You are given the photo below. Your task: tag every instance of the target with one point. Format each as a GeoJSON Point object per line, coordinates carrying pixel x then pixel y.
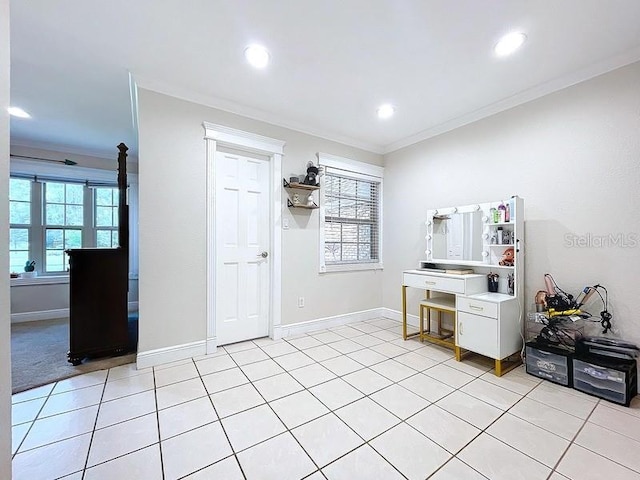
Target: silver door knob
{"type": "Point", "coordinates": [264, 254]}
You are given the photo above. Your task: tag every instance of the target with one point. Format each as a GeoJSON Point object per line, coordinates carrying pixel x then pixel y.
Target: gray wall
{"type": "Point", "coordinates": [172, 168]}
{"type": "Point", "coordinates": [572, 155]}
{"type": "Point", "coordinates": [5, 337]}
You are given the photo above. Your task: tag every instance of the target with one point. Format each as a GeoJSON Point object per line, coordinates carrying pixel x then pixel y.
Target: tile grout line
{"type": "Point", "coordinates": [32, 423]}
{"type": "Point", "coordinates": [224, 430]}
{"type": "Point", "coordinates": [95, 423]}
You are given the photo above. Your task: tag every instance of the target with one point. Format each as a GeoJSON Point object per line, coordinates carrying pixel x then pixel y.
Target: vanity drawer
{"type": "Point", "coordinates": [433, 282]}
{"type": "Point", "coordinates": [477, 307]}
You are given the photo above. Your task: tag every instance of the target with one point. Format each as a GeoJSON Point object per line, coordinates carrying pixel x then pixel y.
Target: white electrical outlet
{"type": "Point", "coordinates": [285, 224]}
{"type": "Point", "coordinates": [300, 302]}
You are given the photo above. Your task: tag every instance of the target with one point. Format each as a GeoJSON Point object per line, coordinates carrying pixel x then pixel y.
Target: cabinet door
{"type": "Point", "coordinates": [478, 334]}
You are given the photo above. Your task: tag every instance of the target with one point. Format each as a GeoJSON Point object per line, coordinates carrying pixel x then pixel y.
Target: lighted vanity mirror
{"type": "Point", "coordinates": [456, 235]}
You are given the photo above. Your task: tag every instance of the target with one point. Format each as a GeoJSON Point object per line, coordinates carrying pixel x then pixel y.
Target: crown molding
{"type": "Point", "coordinates": [573, 78]}
{"type": "Point", "coordinates": [230, 106]}
{"type": "Point", "coordinates": [70, 149]}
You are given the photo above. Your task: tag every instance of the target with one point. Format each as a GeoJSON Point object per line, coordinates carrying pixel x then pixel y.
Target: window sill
{"type": "Point", "coordinates": [351, 267]}
{"type": "Point", "coordinates": [44, 280]}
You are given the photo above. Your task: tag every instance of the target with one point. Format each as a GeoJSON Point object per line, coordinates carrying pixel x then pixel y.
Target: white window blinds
{"type": "Point", "coordinates": [351, 219]}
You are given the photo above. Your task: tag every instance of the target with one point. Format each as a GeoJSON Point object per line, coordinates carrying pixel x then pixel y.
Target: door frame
{"type": "Point", "coordinates": [220, 136]}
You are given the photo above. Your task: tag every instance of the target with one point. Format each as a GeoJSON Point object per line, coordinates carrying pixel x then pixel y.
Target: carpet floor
{"type": "Point", "coordinates": [39, 355]}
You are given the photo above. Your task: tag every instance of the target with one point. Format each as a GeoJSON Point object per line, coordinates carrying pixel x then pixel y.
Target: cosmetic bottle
{"type": "Point", "coordinates": [494, 215]}
{"type": "Point", "coordinates": [499, 235]}
{"type": "Point", "coordinates": [501, 213]}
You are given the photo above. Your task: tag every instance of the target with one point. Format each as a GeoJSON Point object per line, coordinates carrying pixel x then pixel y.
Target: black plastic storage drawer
{"type": "Point", "coordinates": [550, 363]}
{"type": "Point", "coordinates": [613, 379]}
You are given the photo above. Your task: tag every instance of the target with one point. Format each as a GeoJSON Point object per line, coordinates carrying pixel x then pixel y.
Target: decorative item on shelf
{"type": "Point", "coordinates": [294, 179]}
{"type": "Point", "coordinates": [511, 284]}
{"type": "Point", "coordinates": [14, 275]}
{"type": "Point", "coordinates": [508, 258]}
{"type": "Point", "coordinates": [296, 199]}
{"type": "Point", "coordinates": [30, 269]}
{"type": "Point", "coordinates": [310, 202]}
{"type": "Point", "coordinates": [492, 282]}
{"type": "Point", "coordinates": [507, 237]}
{"type": "Point", "coordinates": [312, 175]}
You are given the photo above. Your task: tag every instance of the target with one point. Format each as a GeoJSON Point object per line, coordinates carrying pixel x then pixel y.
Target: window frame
{"type": "Point", "coordinates": [23, 226]}
{"type": "Point", "coordinates": [359, 171]}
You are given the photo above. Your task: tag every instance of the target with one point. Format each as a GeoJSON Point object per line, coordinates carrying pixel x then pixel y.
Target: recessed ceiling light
{"type": "Point", "coordinates": [257, 55]}
{"type": "Point", "coordinates": [386, 111]}
{"type": "Point", "coordinates": [18, 112]}
{"type": "Point", "coordinates": [509, 43]}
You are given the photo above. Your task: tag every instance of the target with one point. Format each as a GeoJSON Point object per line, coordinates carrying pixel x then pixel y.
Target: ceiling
{"type": "Point", "coordinates": [333, 62]}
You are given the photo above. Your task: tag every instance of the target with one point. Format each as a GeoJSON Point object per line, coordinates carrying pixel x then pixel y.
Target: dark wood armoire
{"type": "Point", "coordinates": [99, 286]}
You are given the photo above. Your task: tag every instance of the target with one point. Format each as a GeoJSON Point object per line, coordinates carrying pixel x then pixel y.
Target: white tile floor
{"type": "Point", "coordinates": [354, 402]}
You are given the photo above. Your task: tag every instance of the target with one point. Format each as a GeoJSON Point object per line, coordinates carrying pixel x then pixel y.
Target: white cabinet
{"type": "Point", "coordinates": [478, 334]}
{"type": "Point", "coordinates": [489, 324]}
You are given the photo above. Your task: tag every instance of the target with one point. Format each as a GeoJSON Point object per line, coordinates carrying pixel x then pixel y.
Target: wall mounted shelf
{"type": "Point", "coordinates": [299, 186]}
{"type": "Point", "coordinates": [290, 204]}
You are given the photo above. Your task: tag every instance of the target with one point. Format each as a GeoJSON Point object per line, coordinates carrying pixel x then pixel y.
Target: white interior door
{"type": "Point", "coordinates": [242, 248]}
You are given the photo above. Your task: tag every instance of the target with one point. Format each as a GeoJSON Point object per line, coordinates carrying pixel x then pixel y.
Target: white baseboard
{"type": "Point", "coordinates": [396, 315]}
{"type": "Point", "coordinates": [51, 314]}
{"type": "Point", "coordinates": [294, 329]}
{"type": "Point", "coordinates": [41, 315]}
{"type": "Point", "coordinates": [151, 358]}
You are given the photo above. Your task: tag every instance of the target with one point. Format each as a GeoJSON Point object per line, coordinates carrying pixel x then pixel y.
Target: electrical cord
{"type": "Point", "coordinates": [605, 316]}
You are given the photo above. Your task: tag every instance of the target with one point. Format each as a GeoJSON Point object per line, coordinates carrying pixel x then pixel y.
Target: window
{"type": "Point", "coordinates": [351, 215]}
{"type": "Point", "coordinates": [64, 220]}
{"type": "Point", "coordinates": [106, 216]}
{"type": "Point", "coordinates": [20, 219]}
{"type": "Point", "coordinates": [57, 207]}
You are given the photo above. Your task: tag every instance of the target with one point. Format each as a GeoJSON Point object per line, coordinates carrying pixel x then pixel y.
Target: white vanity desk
{"type": "Point", "coordinates": [483, 321]}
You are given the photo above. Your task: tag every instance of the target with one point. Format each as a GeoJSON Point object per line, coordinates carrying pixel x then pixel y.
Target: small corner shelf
{"type": "Point", "coordinates": [290, 204]}
{"type": "Point", "coordinates": [500, 224]}
{"type": "Point", "coordinates": [299, 186]}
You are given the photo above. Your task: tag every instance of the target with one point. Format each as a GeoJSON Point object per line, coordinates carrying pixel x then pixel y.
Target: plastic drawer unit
{"type": "Point", "coordinates": [550, 363]}
{"type": "Point", "coordinates": [612, 379]}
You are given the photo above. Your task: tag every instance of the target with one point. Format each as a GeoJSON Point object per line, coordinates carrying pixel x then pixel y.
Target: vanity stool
{"type": "Point", "coordinates": [444, 337]}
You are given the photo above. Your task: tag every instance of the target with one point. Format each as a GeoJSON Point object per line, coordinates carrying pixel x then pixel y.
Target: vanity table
{"type": "Point", "coordinates": [487, 323]}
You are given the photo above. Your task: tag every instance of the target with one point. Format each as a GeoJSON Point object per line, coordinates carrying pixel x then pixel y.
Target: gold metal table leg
{"type": "Point", "coordinates": [404, 312]}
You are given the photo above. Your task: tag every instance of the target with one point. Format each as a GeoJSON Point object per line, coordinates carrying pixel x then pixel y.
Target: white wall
{"type": "Point", "coordinates": [172, 182]}
{"type": "Point", "coordinates": [5, 336]}
{"type": "Point", "coordinates": [574, 158]}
